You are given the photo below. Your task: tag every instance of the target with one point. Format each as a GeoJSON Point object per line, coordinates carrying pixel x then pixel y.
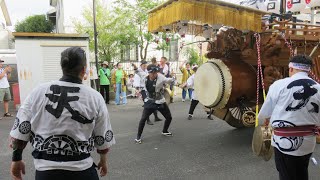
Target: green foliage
{"type": "Point", "coordinates": [136, 12]}
{"type": "Point", "coordinates": [114, 31]}
{"type": "Point", "coordinates": [203, 60]}
{"type": "Point", "coordinates": [36, 23]}
{"type": "Point", "coordinates": [163, 46]}
{"type": "Point", "coordinates": [164, 40]}
{"type": "Point", "coordinates": [119, 26]}
{"type": "Point", "coordinates": [193, 55]}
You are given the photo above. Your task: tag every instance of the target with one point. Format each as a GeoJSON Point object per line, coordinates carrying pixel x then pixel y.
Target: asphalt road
{"type": "Point", "coordinates": [200, 149]}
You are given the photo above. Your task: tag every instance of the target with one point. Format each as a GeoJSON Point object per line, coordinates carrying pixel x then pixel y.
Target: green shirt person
{"type": "Point", "coordinates": [104, 74]}
{"type": "Point", "coordinates": [118, 79]}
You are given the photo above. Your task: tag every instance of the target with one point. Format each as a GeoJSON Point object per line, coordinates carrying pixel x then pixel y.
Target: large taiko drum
{"type": "Point", "coordinates": [221, 83]}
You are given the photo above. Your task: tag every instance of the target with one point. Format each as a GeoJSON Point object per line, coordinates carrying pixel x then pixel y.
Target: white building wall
{"type": "Point", "coordinates": [33, 65]}
{"type": "Point", "coordinates": [5, 39]}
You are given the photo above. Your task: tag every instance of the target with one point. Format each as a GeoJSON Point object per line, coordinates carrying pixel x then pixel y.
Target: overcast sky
{"type": "Point", "coordinates": [20, 9]}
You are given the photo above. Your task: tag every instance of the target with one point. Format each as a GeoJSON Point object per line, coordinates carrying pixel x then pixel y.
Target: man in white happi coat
{"type": "Point", "coordinates": [140, 74]}
{"type": "Point", "coordinates": [292, 109]}
{"type": "Point", "coordinates": [154, 87]}
{"type": "Point", "coordinates": [64, 121]}
{"type": "Point", "coordinates": [194, 101]}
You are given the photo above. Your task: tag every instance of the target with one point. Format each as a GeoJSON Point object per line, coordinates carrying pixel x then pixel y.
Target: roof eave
{"type": "Point", "coordinates": [232, 5]}
{"type": "Point", "coordinates": [5, 13]}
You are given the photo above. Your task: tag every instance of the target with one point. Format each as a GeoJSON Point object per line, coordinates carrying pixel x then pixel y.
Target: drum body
{"type": "Point", "coordinates": [168, 95]}
{"type": "Point", "coordinates": [220, 83]}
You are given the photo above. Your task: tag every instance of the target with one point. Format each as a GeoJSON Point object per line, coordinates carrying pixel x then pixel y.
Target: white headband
{"type": "Point", "coordinates": [300, 66]}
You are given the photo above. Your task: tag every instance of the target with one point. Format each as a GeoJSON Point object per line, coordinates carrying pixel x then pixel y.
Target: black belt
{"type": "Point", "coordinates": [59, 158]}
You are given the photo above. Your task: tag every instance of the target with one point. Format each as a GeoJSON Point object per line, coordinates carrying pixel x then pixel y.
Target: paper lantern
{"type": "Point", "coordinates": [312, 3]}
{"type": "Point", "coordinates": [270, 6]}
{"type": "Point", "coordinates": [296, 6]}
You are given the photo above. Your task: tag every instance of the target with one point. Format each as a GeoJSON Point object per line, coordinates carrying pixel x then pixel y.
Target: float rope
{"type": "Point", "coordinates": [311, 74]}
{"type": "Point", "coordinates": [259, 76]}
{"type": "Point", "coordinates": [288, 44]}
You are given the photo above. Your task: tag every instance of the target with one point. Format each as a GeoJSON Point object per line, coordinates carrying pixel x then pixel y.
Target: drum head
{"type": "Point", "coordinates": [212, 84]}
{"type": "Point", "coordinates": [269, 152]}
{"type": "Point", "coordinates": [261, 142]}
{"type": "Point", "coordinates": [167, 95]}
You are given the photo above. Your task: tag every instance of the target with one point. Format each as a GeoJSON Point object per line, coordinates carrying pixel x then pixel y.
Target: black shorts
{"type": "Point", "coordinates": [87, 174]}
{"type": "Point", "coordinates": [291, 167]}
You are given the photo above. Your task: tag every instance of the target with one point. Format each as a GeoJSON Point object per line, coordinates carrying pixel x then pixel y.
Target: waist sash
{"type": "Point", "coordinates": [59, 158]}
{"type": "Point", "coordinates": [298, 131]}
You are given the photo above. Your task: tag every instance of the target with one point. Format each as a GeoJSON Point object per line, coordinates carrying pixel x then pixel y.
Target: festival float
{"type": "Point", "coordinates": [249, 46]}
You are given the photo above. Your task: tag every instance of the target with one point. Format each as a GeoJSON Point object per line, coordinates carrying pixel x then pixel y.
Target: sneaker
{"type": "Point", "coordinates": [7, 115]}
{"type": "Point", "coordinates": [171, 100]}
{"type": "Point", "coordinates": [183, 100]}
{"type": "Point", "coordinates": [210, 117]}
{"type": "Point", "coordinates": [167, 134]}
{"type": "Point", "coordinates": [138, 141]}
{"type": "Point", "coordinates": [149, 122]}
{"type": "Point", "coordinates": [190, 117]}
{"type": "Point", "coordinates": [157, 119]}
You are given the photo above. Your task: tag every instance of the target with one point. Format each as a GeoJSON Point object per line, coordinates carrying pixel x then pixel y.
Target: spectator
{"type": "Point", "coordinates": [94, 77]}
{"type": "Point", "coordinates": [118, 79]}
{"type": "Point", "coordinates": [154, 61]}
{"type": "Point", "coordinates": [164, 69]}
{"type": "Point", "coordinates": [104, 73]}
{"type": "Point", "coordinates": [114, 68]}
{"type": "Point", "coordinates": [5, 94]}
{"type": "Point", "coordinates": [186, 73]}
{"type": "Point", "coordinates": [130, 86]}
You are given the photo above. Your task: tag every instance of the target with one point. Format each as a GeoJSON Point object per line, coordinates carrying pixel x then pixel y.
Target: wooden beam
{"type": "Point", "coordinates": [23, 34]}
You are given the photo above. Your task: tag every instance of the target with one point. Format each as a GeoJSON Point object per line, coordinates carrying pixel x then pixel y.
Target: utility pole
{"type": "Point", "coordinates": [95, 35]}
{"type": "Point", "coordinates": [283, 7]}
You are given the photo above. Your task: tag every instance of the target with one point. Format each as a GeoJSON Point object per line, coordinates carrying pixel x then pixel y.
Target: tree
{"type": "Point", "coordinates": [192, 55]}
{"type": "Point", "coordinates": [114, 30]}
{"type": "Point", "coordinates": [36, 23]}
{"type": "Point", "coordinates": [136, 11]}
